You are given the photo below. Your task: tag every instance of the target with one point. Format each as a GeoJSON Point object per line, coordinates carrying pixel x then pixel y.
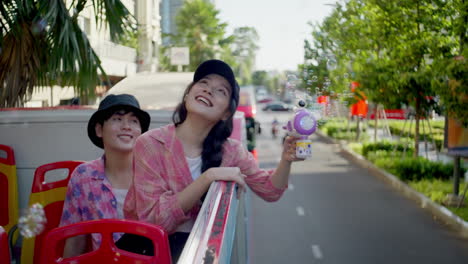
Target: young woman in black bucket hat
{"type": "Point", "coordinates": [97, 188]}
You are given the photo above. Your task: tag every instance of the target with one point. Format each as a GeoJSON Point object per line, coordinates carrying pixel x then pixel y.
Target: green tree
{"type": "Point", "coordinates": [402, 52]}
{"type": "Point", "coordinates": [200, 29]}
{"type": "Point", "coordinates": [260, 78]}
{"type": "Point", "coordinates": [42, 45]}
{"type": "Point", "coordinates": [389, 46]}
{"type": "Point", "coordinates": [244, 47]}
{"type": "Point", "coordinates": [314, 72]}
{"type": "Point", "coordinates": [450, 60]}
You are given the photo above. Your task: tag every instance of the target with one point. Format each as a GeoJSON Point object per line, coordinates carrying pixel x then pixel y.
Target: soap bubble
{"type": "Point", "coordinates": [292, 78]}
{"type": "Point", "coordinates": [38, 26]}
{"type": "Point", "coordinates": [32, 223]}
{"type": "Point", "coordinates": [301, 103]}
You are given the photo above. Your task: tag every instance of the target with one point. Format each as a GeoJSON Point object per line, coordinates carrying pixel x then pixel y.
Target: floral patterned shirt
{"type": "Point", "coordinates": [161, 171]}
{"type": "Point", "coordinates": [89, 196]}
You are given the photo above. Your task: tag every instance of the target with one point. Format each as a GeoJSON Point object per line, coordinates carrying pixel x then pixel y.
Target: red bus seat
{"type": "Point", "coordinates": [8, 189]}
{"type": "Point", "coordinates": [51, 195]}
{"type": "Point", "coordinates": [4, 247]}
{"type": "Point", "coordinates": [107, 252]}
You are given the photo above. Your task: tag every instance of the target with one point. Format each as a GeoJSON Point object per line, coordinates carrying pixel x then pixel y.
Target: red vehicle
{"type": "Point", "coordinates": [249, 107]}
{"type": "Point", "coordinates": [247, 103]}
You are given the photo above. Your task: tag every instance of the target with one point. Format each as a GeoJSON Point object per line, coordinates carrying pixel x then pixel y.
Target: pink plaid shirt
{"type": "Point", "coordinates": [161, 171]}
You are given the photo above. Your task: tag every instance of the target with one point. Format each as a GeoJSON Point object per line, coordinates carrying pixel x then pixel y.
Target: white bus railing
{"type": "Point", "coordinates": [219, 233]}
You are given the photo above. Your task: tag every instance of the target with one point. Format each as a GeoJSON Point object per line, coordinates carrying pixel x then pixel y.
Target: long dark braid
{"type": "Point", "coordinates": [212, 153]}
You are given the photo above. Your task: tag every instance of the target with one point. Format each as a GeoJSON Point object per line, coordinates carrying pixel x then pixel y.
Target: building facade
{"type": "Point", "coordinates": [118, 61]}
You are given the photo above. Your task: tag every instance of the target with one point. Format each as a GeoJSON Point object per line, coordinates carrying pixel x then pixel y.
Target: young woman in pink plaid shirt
{"type": "Point", "coordinates": [174, 165]}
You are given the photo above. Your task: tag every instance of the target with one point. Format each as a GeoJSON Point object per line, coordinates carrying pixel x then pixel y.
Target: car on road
{"type": "Point", "coordinates": [263, 99]}
{"type": "Point", "coordinates": [277, 106]}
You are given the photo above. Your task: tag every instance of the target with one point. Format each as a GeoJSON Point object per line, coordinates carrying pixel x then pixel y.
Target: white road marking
{"type": "Point", "coordinates": [317, 252]}
{"type": "Point", "coordinates": [300, 211]}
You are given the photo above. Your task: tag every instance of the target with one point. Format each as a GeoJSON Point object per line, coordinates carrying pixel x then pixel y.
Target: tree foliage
{"type": "Point", "coordinates": [200, 29]}
{"type": "Point", "coordinates": [401, 52]}
{"type": "Point", "coordinates": [244, 47]}
{"type": "Point", "coordinates": [42, 45]}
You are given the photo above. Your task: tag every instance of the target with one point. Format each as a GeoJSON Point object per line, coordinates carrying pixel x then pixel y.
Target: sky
{"type": "Point", "coordinates": [282, 26]}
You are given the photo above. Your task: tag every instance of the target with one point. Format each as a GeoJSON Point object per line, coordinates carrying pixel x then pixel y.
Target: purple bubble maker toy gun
{"type": "Point", "coordinates": [302, 125]}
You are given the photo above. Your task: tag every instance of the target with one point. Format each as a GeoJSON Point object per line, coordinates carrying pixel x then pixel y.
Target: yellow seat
{"type": "Point", "coordinates": [8, 189]}
{"type": "Point", "coordinates": [51, 195]}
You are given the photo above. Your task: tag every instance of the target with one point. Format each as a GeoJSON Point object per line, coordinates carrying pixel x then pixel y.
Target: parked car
{"type": "Point", "coordinates": [277, 106]}
{"type": "Point", "coordinates": [264, 99]}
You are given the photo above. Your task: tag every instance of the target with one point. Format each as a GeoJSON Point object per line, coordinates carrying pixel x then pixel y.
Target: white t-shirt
{"type": "Point", "coordinates": [195, 165]}
{"type": "Point", "coordinates": [120, 195]}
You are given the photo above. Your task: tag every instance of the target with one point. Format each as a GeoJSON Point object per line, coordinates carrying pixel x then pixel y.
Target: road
{"type": "Point", "coordinates": [337, 212]}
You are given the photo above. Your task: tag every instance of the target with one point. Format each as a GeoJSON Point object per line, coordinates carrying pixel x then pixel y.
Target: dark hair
{"type": "Point", "coordinates": [213, 144]}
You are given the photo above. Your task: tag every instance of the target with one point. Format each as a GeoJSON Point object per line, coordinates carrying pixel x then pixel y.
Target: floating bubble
{"type": "Point", "coordinates": [346, 76]}
{"type": "Point", "coordinates": [39, 26]}
{"type": "Point", "coordinates": [309, 82]}
{"type": "Point", "coordinates": [292, 78]}
{"type": "Point", "coordinates": [301, 103]}
{"type": "Point", "coordinates": [32, 223]}
{"type": "Point", "coordinates": [290, 87]}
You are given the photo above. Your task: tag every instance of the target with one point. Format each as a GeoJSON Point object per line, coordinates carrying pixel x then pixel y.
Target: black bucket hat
{"type": "Point", "coordinates": [113, 102]}
{"type": "Point", "coordinates": [221, 68]}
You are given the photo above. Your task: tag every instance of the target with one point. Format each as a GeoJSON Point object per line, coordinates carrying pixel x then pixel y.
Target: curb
{"type": "Point", "coordinates": [437, 210]}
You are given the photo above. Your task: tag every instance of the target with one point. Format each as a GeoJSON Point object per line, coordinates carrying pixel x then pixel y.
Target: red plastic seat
{"type": "Point", "coordinates": [4, 248]}
{"type": "Point", "coordinates": [107, 252]}
{"type": "Point", "coordinates": [51, 195]}
{"type": "Point", "coordinates": [8, 189]}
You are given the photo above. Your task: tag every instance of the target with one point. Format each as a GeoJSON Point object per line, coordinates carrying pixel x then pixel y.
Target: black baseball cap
{"type": "Point", "coordinates": [221, 68]}
{"type": "Point", "coordinates": [111, 103]}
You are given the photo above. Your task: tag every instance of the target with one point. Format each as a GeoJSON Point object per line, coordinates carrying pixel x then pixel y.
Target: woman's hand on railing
{"type": "Point", "coordinates": [227, 174]}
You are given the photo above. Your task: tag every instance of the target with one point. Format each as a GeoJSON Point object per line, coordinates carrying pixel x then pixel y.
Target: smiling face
{"type": "Point", "coordinates": [120, 131]}
{"type": "Point", "coordinates": [209, 97]}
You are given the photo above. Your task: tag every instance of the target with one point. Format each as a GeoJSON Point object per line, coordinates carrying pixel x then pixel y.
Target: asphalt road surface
{"type": "Point", "coordinates": [337, 212]}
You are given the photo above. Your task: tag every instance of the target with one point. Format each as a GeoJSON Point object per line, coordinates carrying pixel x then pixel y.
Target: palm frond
{"type": "Point", "coordinates": [117, 16]}
{"type": "Point", "coordinates": [20, 61]}
{"type": "Point", "coordinates": [42, 45]}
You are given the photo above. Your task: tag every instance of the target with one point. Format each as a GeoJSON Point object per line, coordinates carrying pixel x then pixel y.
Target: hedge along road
{"type": "Point", "coordinates": [336, 212]}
